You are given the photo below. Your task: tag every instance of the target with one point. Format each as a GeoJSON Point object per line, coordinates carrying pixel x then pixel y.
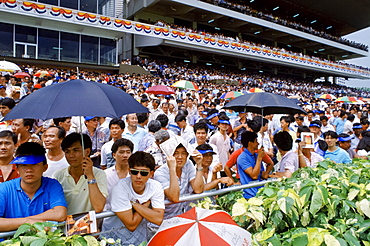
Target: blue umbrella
{"type": "Point", "coordinates": [76, 98]}
{"type": "Point", "coordinates": [264, 103]}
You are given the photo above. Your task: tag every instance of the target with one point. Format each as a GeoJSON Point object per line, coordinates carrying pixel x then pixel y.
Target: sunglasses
{"type": "Point", "coordinates": [142, 172]}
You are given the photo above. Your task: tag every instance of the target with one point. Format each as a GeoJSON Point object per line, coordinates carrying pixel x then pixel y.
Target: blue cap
{"type": "Point", "coordinates": [89, 117]}
{"type": "Point", "coordinates": [206, 151]}
{"type": "Point", "coordinates": [341, 139]}
{"type": "Point", "coordinates": [224, 122]}
{"type": "Point", "coordinates": [357, 127]}
{"type": "Point", "coordinates": [212, 116]}
{"type": "Point", "coordinates": [28, 159]}
{"type": "Point", "coordinates": [314, 124]}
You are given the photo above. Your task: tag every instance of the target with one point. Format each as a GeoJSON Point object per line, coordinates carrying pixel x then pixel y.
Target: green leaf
{"type": "Point", "coordinates": [27, 240]}
{"type": "Point", "coordinates": [330, 240]}
{"type": "Point", "coordinates": [352, 194]}
{"type": "Point", "coordinates": [39, 226]}
{"type": "Point", "coordinates": [39, 242]}
{"type": "Point", "coordinates": [316, 202]}
{"type": "Point", "coordinates": [22, 229]}
{"type": "Point", "coordinates": [268, 191]}
{"type": "Point", "coordinates": [354, 178]}
{"type": "Point", "coordinates": [351, 240]}
{"type": "Point", "coordinates": [285, 204]}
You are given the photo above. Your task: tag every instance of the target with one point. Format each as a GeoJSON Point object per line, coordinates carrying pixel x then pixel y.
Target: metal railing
{"type": "Point", "coordinates": [184, 198]}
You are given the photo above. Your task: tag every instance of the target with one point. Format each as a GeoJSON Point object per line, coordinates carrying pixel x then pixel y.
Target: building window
{"type": "Point", "coordinates": [88, 6]}
{"type": "Point", "coordinates": [69, 47]}
{"type": "Point", "coordinates": [51, 2]}
{"type": "Point", "coordinates": [25, 34]}
{"type": "Point", "coordinates": [48, 45]}
{"type": "Point", "coordinates": [89, 49]}
{"type": "Point", "coordinates": [72, 4]}
{"type": "Point", "coordinates": [6, 40]}
{"type": "Point", "coordinates": [107, 52]}
{"type": "Point", "coordinates": [106, 7]}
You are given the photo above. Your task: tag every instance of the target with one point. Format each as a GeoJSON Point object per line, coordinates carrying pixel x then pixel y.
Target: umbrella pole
{"type": "Point", "coordinates": [82, 139]}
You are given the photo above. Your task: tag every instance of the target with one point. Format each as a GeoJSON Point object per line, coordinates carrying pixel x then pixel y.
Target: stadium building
{"type": "Point", "coordinates": [297, 38]}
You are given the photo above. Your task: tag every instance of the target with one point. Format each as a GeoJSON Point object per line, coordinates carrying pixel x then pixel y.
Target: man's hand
{"type": "Point", "coordinates": [171, 162]}
{"type": "Point", "coordinates": [197, 157]}
{"type": "Point", "coordinates": [87, 166]}
{"type": "Point", "coordinates": [265, 175]}
{"type": "Point", "coordinates": [217, 168]}
{"type": "Point", "coordinates": [226, 180]}
{"type": "Point", "coordinates": [261, 153]}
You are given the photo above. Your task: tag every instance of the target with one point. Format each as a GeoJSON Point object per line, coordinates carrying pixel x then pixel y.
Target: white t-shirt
{"type": "Point", "coordinates": [112, 180]}
{"type": "Point", "coordinates": [122, 195]}
{"type": "Point", "coordinates": [54, 166]}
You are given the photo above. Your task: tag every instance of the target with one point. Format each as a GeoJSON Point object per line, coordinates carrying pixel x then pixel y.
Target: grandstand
{"type": "Point", "coordinates": [296, 38]}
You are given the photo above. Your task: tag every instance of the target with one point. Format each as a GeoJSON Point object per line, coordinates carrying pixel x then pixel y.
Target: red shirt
{"type": "Point", "coordinates": [13, 174]}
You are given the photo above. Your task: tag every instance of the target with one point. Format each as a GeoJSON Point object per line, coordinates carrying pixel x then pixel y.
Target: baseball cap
{"type": "Point", "coordinates": [28, 159]}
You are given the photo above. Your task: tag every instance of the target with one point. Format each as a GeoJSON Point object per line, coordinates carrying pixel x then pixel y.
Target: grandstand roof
{"type": "Point", "coordinates": [340, 17]}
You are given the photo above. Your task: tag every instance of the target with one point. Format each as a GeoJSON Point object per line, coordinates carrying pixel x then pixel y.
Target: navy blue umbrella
{"type": "Point", "coordinates": [264, 103]}
{"type": "Point", "coordinates": [76, 98]}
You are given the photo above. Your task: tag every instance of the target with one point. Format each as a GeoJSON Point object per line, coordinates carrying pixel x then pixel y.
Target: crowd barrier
{"type": "Point", "coordinates": [185, 198]}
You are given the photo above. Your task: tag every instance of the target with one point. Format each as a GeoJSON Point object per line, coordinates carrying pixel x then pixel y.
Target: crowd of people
{"type": "Point", "coordinates": [187, 144]}
{"type": "Point", "coordinates": [252, 45]}
{"type": "Point", "coordinates": [245, 9]}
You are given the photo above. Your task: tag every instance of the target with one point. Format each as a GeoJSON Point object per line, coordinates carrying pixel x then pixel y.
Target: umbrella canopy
{"type": "Point", "coordinates": [231, 95]}
{"type": "Point", "coordinates": [160, 89]}
{"type": "Point", "coordinates": [185, 84]}
{"type": "Point", "coordinates": [6, 66]}
{"type": "Point", "coordinates": [42, 73]}
{"type": "Point", "coordinates": [346, 99]}
{"type": "Point", "coordinates": [254, 90]}
{"type": "Point", "coordinates": [76, 98]}
{"type": "Point", "coordinates": [327, 96]}
{"type": "Point", "coordinates": [21, 75]}
{"type": "Point", "coordinates": [264, 103]}
{"type": "Point", "coordinates": [201, 227]}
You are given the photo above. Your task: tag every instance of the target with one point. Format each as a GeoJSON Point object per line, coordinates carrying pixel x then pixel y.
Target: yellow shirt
{"type": "Point", "coordinates": [77, 195]}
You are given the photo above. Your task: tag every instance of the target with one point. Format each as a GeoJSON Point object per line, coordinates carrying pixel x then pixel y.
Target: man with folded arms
{"type": "Point", "coordinates": [31, 198]}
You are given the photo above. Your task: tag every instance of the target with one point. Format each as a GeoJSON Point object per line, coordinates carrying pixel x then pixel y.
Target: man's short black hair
{"type": "Point", "coordinates": [301, 118]}
{"type": "Point", "coordinates": [163, 119]}
{"type": "Point", "coordinates": [303, 129]}
{"type": "Point", "coordinates": [30, 148]}
{"type": "Point", "coordinates": [180, 117]}
{"type": "Point", "coordinates": [287, 119]}
{"type": "Point", "coordinates": [118, 122]}
{"type": "Point", "coordinates": [9, 134]}
{"type": "Point", "coordinates": [60, 120]}
{"type": "Point", "coordinates": [351, 117]}
{"type": "Point", "coordinates": [200, 125]}
{"type": "Point", "coordinates": [247, 137]}
{"type": "Point", "coordinates": [76, 137]}
{"type": "Point", "coordinates": [122, 142]}
{"type": "Point", "coordinates": [204, 146]}
{"type": "Point", "coordinates": [254, 125]}
{"type": "Point", "coordinates": [9, 102]}
{"type": "Point", "coordinates": [154, 126]}
{"type": "Point", "coordinates": [141, 159]}
{"type": "Point", "coordinates": [330, 133]}
{"type": "Point", "coordinates": [141, 117]}
{"type": "Point", "coordinates": [364, 121]}
{"type": "Point", "coordinates": [323, 118]}
{"type": "Point", "coordinates": [29, 123]}
{"type": "Point", "coordinates": [61, 131]}
{"type": "Point", "coordinates": [283, 140]}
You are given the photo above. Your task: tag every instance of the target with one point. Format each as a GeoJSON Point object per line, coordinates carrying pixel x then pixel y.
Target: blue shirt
{"type": "Point", "coordinates": [339, 124]}
{"type": "Point", "coordinates": [246, 160]}
{"type": "Point", "coordinates": [339, 156]}
{"type": "Point", "coordinates": [15, 203]}
{"type": "Point", "coordinates": [136, 137]}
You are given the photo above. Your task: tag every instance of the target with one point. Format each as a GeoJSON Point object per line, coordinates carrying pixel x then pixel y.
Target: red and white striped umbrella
{"type": "Point", "coordinates": [201, 227]}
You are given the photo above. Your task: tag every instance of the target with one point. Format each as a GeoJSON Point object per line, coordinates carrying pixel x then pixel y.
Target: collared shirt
{"type": "Point", "coordinates": [13, 174]}
{"type": "Point", "coordinates": [77, 195]}
{"type": "Point", "coordinates": [98, 139]}
{"type": "Point", "coordinates": [136, 137]}
{"type": "Point", "coordinates": [146, 141]}
{"type": "Point", "coordinates": [339, 156]}
{"type": "Point", "coordinates": [106, 155]}
{"type": "Point", "coordinates": [289, 162]}
{"type": "Point", "coordinates": [246, 160]}
{"type": "Point", "coordinates": [156, 152]}
{"type": "Point", "coordinates": [223, 146]}
{"type": "Point", "coordinates": [15, 203]}
{"type": "Point", "coordinates": [162, 175]}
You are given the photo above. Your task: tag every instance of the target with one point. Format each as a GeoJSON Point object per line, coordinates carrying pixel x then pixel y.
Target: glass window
{"type": "Point", "coordinates": [52, 2]}
{"type": "Point", "coordinates": [48, 45]}
{"type": "Point", "coordinates": [89, 49]}
{"type": "Point", "coordinates": [88, 6]}
{"type": "Point", "coordinates": [106, 7]}
{"type": "Point", "coordinates": [107, 52]}
{"type": "Point", "coordinates": [25, 34]}
{"type": "Point", "coordinates": [6, 40]}
{"type": "Point", "coordinates": [69, 47]}
{"type": "Point", "coordinates": [72, 4]}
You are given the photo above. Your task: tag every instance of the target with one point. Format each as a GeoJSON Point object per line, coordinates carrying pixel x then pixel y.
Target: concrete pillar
{"type": "Point", "coordinates": [275, 71]}
{"type": "Point", "coordinates": [304, 75]}
{"type": "Point", "coordinates": [194, 59]}
{"type": "Point", "coordinates": [195, 25]}
{"type": "Point", "coordinates": [240, 64]}
{"type": "Point", "coordinates": [303, 51]}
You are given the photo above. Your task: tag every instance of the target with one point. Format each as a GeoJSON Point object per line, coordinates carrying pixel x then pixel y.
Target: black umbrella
{"type": "Point", "coordinates": [76, 98]}
{"type": "Point", "coordinates": [264, 103]}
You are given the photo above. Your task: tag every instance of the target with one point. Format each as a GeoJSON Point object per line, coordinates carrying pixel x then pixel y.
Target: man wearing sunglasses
{"type": "Point", "coordinates": [136, 200]}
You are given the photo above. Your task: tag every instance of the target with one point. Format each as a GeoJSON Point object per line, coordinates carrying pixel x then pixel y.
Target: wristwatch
{"type": "Point", "coordinates": [134, 202]}
{"type": "Point", "coordinates": [92, 181]}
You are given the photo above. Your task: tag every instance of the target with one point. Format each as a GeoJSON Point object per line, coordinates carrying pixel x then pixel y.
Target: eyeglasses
{"type": "Point", "coordinates": [142, 172]}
